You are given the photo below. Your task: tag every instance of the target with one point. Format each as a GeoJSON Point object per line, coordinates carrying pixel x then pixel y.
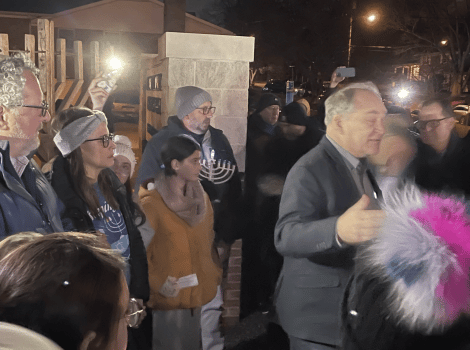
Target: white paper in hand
{"type": "Point", "coordinates": [188, 281]}
{"type": "Point", "coordinates": [170, 287]}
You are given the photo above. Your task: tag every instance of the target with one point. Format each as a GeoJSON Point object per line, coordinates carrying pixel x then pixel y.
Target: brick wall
{"type": "Point", "coordinates": [231, 286]}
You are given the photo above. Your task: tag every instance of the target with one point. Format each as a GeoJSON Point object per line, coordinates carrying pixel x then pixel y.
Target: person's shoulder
{"type": "Point", "coordinates": [172, 129]}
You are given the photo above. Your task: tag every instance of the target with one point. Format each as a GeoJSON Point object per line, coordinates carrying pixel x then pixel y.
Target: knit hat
{"type": "Point", "coordinates": [267, 100]}
{"type": "Point", "coordinates": [188, 98]}
{"type": "Point", "coordinates": [124, 148]}
{"type": "Point", "coordinates": [294, 113]}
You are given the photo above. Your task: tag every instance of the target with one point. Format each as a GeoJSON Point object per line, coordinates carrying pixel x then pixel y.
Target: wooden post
{"type": "Point", "coordinates": [50, 67]}
{"type": "Point", "coordinates": [43, 43]}
{"type": "Point", "coordinates": [94, 70]}
{"type": "Point", "coordinates": [46, 63]}
{"type": "Point", "coordinates": [95, 58]}
{"type": "Point", "coordinates": [72, 95]}
{"type": "Point", "coordinates": [142, 129]}
{"type": "Point", "coordinates": [61, 71]}
{"type": "Point", "coordinates": [4, 46]}
{"type": "Point", "coordinates": [30, 46]}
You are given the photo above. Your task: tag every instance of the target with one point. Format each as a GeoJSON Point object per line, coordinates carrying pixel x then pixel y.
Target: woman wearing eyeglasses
{"type": "Point", "coordinates": [94, 198]}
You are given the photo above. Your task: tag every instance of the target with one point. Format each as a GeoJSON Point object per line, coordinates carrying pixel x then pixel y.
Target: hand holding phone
{"type": "Point", "coordinates": [346, 72]}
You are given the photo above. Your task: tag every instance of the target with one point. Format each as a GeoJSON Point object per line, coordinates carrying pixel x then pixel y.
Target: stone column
{"type": "Point", "coordinates": [216, 63]}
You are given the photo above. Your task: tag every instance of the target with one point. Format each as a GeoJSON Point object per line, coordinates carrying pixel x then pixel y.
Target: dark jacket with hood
{"type": "Point", "coordinates": [76, 217]}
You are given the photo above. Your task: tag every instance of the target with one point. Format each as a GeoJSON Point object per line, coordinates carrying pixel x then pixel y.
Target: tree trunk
{"type": "Point", "coordinates": [456, 84]}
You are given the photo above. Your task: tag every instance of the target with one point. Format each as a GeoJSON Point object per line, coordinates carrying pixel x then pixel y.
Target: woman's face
{"type": "Point", "coordinates": [188, 169]}
{"type": "Point", "coordinates": [122, 168]}
{"type": "Point", "coordinates": [95, 155]}
{"type": "Point", "coordinates": [119, 342]}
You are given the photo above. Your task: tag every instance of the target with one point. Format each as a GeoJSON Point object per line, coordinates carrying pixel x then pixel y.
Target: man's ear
{"type": "Point", "coordinates": [87, 340]}
{"type": "Point", "coordinates": [3, 123]}
{"type": "Point", "coordinates": [338, 123]}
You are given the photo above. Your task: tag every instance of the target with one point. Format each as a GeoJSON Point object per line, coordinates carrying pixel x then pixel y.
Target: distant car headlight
{"type": "Point", "coordinates": [265, 89]}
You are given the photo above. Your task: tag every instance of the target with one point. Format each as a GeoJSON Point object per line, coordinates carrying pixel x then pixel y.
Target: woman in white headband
{"type": "Point", "coordinates": [94, 198]}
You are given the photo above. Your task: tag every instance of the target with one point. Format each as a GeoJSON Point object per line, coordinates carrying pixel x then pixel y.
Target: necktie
{"type": "Point", "coordinates": [369, 185]}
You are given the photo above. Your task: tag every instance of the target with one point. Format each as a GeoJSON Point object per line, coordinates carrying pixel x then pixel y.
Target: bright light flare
{"type": "Point", "coordinates": [115, 63]}
{"type": "Point", "coordinates": [403, 93]}
{"type": "Point", "coordinates": [372, 18]}
{"type": "Point", "coordinates": [444, 42]}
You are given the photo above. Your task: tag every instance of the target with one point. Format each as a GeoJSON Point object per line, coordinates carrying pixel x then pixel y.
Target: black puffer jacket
{"type": "Point", "coordinates": [75, 217]}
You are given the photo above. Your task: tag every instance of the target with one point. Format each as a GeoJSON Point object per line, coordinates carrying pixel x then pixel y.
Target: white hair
{"type": "Point", "coordinates": [12, 81]}
{"type": "Point", "coordinates": [342, 102]}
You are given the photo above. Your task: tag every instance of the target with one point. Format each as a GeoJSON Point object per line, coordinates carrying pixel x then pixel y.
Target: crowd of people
{"type": "Point", "coordinates": [355, 231]}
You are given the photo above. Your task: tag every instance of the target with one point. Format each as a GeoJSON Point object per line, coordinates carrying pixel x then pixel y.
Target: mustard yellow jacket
{"type": "Point", "coordinates": [178, 250]}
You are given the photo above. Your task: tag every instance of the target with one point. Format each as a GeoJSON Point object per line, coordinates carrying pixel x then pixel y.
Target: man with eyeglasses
{"type": "Point", "coordinates": [443, 159]}
{"type": "Point", "coordinates": [27, 201]}
{"type": "Point", "coordinates": [194, 112]}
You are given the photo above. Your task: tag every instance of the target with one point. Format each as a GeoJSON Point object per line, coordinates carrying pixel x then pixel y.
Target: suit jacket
{"type": "Point", "coordinates": [318, 189]}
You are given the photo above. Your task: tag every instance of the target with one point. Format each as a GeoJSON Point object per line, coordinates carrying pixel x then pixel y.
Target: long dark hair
{"type": "Point", "coordinates": [177, 147]}
{"type": "Point", "coordinates": [77, 172]}
{"type": "Point", "coordinates": [63, 286]}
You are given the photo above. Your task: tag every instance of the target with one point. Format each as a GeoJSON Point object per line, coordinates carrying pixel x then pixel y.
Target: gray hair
{"type": "Point", "coordinates": [342, 101]}
{"type": "Point", "coordinates": [12, 81]}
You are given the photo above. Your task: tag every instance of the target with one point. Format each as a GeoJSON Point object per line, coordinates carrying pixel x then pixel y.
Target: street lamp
{"type": "Point", "coordinates": [371, 18]}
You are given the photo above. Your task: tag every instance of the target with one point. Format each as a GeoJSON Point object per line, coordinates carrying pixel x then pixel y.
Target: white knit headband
{"type": "Point", "coordinates": [73, 135]}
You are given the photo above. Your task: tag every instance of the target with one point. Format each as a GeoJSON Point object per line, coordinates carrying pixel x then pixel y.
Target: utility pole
{"type": "Point", "coordinates": [353, 7]}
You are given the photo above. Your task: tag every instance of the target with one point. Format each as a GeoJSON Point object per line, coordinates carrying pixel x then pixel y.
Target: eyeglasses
{"type": "Point", "coordinates": [135, 314]}
{"type": "Point", "coordinates": [104, 139]}
{"type": "Point", "coordinates": [432, 123]}
{"type": "Point", "coordinates": [207, 110]}
{"type": "Point", "coordinates": [44, 107]}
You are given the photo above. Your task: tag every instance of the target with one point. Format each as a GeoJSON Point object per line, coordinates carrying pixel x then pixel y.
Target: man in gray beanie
{"type": "Point", "coordinates": [194, 111]}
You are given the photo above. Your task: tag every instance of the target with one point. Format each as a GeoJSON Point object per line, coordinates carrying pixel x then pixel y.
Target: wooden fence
{"type": "Point", "coordinates": [51, 59]}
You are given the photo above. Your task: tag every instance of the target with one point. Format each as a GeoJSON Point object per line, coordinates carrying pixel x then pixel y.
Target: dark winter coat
{"type": "Point", "coordinates": [449, 172]}
{"type": "Point", "coordinates": [76, 216]}
{"type": "Point", "coordinates": [256, 141]}
{"type": "Point", "coordinates": [26, 204]}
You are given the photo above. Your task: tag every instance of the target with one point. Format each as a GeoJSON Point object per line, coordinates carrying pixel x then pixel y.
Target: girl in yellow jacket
{"type": "Point", "coordinates": [184, 270]}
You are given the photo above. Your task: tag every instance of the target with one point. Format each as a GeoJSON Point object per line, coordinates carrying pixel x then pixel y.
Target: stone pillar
{"type": "Point", "coordinates": [216, 63]}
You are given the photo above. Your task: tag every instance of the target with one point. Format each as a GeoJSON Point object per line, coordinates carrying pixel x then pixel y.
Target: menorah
{"type": "Point", "coordinates": [216, 171]}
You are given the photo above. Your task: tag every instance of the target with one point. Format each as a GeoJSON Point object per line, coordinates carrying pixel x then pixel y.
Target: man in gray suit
{"type": "Point", "coordinates": [328, 206]}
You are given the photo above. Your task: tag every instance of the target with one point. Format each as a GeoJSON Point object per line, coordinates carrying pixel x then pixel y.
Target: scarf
{"type": "Point", "coordinates": [189, 206]}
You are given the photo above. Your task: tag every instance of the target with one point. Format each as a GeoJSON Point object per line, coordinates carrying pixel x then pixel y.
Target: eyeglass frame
{"type": "Point", "coordinates": [426, 122]}
{"type": "Point", "coordinates": [105, 139]}
{"type": "Point", "coordinates": [134, 322]}
{"type": "Point", "coordinates": [44, 106]}
{"type": "Point", "coordinates": [208, 109]}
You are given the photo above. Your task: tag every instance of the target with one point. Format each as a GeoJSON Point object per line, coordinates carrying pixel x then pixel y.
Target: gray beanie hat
{"type": "Point", "coordinates": [188, 98]}
{"type": "Point", "coordinates": [74, 134]}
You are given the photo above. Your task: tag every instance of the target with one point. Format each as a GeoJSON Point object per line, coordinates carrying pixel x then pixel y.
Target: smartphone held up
{"type": "Point", "coordinates": [345, 72]}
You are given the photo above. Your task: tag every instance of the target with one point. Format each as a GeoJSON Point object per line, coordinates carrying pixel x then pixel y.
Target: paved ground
{"type": "Point", "coordinates": [256, 332]}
